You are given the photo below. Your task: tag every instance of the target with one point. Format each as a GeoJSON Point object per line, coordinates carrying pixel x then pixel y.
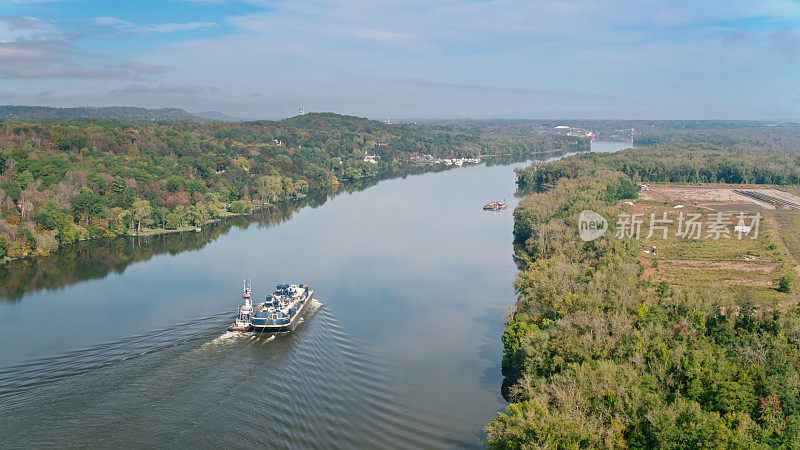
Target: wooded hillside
{"type": "Point", "coordinates": [85, 178]}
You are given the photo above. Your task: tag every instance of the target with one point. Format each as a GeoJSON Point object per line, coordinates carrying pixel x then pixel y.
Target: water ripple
{"type": "Point", "coordinates": [190, 385]}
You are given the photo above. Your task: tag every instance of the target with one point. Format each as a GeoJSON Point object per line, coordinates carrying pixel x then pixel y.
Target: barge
{"type": "Point", "coordinates": [278, 313]}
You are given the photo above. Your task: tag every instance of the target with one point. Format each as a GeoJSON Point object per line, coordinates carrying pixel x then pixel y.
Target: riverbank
{"type": "Point", "coordinates": [641, 336]}
{"type": "Point", "coordinates": [54, 228]}
{"type": "Point", "coordinates": [62, 182]}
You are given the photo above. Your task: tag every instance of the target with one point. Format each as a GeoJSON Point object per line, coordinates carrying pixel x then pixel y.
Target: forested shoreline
{"type": "Point", "coordinates": [597, 356]}
{"type": "Point", "coordinates": [678, 162]}
{"type": "Point", "coordinates": [65, 181]}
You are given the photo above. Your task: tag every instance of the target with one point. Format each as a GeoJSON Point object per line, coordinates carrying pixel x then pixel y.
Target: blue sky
{"type": "Point", "coordinates": [409, 59]}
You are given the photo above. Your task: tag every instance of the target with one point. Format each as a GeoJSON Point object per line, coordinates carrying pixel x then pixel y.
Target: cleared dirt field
{"type": "Point", "coordinates": [750, 267]}
{"type": "Point", "coordinates": [703, 195]}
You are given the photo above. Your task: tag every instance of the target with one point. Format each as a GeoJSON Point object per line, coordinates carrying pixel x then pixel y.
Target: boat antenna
{"type": "Point", "coordinates": [246, 295]}
{"type": "Point", "coordinates": [246, 287]}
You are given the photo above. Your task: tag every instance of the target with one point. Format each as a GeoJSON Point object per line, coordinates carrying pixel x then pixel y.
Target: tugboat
{"type": "Point", "coordinates": [495, 206]}
{"type": "Point", "coordinates": [242, 323]}
{"type": "Point", "coordinates": [281, 311]}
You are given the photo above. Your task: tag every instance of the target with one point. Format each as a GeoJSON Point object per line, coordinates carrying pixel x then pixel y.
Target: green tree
{"type": "Point", "coordinates": [514, 338]}
{"type": "Point", "coordinates": [238, 207]}
{"type": "Point", "coordinates": [11, 188]}
{"type": "Point", "coordinates": [269, 188]}
{"type": "Point", "coordinates": [172, 221]}
{"type": "Point", "coordinates": [86, 204]}
{"type": "Point", "coordinates": [25, 178]}
{"type": "Point", "coordinates": [51, 216]}
{"type": "Point", "coordinates": [141, 211]}
{"type": "Point", "coordinates": [197, 215]}
{"type": "Point", "coordinates": [159, 215]}
{"type": "Point", "coordinates": [67, 234]}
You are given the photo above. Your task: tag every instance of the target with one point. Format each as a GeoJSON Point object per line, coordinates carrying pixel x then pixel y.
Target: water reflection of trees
{"type": "Point", "coordinates": [95, 259]}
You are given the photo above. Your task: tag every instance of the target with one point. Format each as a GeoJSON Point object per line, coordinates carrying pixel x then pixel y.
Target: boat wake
{"type": "Point", "coordinates": [190, 385]}
{"type": "Point", "coordinates": [16, 379]}
{"type": "Point", "coordinates": [314, 306]}
{"type": "Point", "coordinates": [226, 338]}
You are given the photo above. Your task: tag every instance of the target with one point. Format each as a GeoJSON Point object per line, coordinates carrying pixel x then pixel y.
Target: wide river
{"type": "Point", "coordinates": [126, 345]}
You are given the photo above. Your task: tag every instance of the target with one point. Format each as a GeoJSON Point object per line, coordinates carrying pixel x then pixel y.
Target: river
{"type": "Point", "coordinates": [402, 347]}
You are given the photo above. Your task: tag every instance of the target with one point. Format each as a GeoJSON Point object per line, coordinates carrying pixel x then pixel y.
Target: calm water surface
{"type": "Point", "coordinates": [413, 281]}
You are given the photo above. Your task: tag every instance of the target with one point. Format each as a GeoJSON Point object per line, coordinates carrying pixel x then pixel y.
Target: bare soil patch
{"type": "Point", "coordinates": [703, 195]}
{"type": "Point", "coordinates": [741, 266]}
{"type": "Point", "coordinates": [736, 207]}
{"type": "Point", "coordinates": [649, 270]}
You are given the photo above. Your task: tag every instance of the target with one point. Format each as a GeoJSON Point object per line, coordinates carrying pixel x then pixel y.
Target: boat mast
{"type": "Point", "coordinates": [246, 296]}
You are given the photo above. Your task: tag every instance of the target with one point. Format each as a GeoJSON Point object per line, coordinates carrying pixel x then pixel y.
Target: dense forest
{"type": "Point", "coordinates": [86, 178]}
{"type": "Point", "coordinates": [596, 356]}
{"type": "Point", "coordinates": [698, 160]}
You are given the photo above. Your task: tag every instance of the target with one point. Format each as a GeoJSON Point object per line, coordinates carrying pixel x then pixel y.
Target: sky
{"type": "Point", "coordinates": [415, 59]}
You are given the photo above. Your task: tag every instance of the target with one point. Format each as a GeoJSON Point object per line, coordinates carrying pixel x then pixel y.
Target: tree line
{"type": "Point", "coordinates": [677, 162]}
{"type": "Point", "coordinates": [598, 358]}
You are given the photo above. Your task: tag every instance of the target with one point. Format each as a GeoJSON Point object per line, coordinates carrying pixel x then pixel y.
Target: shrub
{"type": "Point", "coordinates": [27, 236]}
{"type": "Point", "coordinates": [785, 283]}
{"type": "Point", "coordinates": [67, 234]}
{"type": "Point", "coordinates": [12, 219]}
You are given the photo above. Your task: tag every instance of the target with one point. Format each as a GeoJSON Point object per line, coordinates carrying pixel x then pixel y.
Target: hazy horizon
{"type": "Point", "coordinates": [439, 119]}
{"type": "Point", "coordinates": [408, 60]}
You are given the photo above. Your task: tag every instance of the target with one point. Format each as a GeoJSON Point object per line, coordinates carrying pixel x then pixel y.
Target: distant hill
{"type": "Point", "coordinates": [10, 112]}
{"type": "Point", "coordinates": [328, 121]}
{"type": "Point", "coordinates": [216, 116]}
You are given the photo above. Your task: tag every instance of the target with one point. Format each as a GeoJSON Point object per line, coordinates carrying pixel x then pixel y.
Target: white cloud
{"type": "Point", "coordinates": [107, 21]}
{"type": "Point", "coordinates": [14, 28]}
{"type": "Point", "coordinates": [421, 58]}
{"type": "Point", "coordinates": [385, 36]}
{"type": "Point", "coordinates": [171, 27]}
{"type": "Point", "coordinates": [164, 89]}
